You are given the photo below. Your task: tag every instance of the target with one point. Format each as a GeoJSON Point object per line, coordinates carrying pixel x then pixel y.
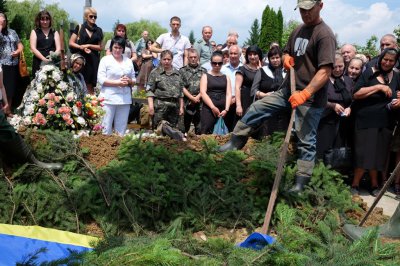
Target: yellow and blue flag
{"type": "Point", "coordinates": [17, 242]}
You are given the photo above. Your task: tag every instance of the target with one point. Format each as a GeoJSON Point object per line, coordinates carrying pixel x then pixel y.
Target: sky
{"type": "Point", "coordinates": [352, 21]}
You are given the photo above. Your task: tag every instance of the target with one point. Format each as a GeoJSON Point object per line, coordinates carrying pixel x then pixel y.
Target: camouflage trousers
{"type": "Point", "coordinates": [167, 110]}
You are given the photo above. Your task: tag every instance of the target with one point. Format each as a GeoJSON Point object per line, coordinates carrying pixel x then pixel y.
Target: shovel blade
{"type": "Point", "coordinates": [257, 241]}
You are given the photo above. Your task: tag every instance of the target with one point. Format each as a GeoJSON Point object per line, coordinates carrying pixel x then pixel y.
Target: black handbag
{"type": "Point", "coordinates": [339, 158]}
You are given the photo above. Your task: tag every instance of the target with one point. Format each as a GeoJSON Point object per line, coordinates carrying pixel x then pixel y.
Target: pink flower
{"type": "Point", "coordinates": [66, 117]}
{"type": "Point", "coordinates": [94, 102]}
{"type": "Point", "coordinates": [42, 122]}
{"type": "Point", "coordinates": [57, 99]}
{"type": "Point", "coordinates": [69, 121]}
{"type": "Point", "coordinates": [64, 110]}
{"type": "Point", "coordinates": [42, 102]}
{"type": "Point", "coordinates": [51, 104]}
{"type": "Point", "coordinates": [97, 127]}
{"type": "Point", "coordinates": [51, 111]}
{"type": "Point", "coordinates": [39, 119]}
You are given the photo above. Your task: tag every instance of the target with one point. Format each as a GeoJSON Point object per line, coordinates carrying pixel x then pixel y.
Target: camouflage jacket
{"type": "Point", "coordinates": [163, 85]}
{"type": "Point", "coordinates": [191, 78]}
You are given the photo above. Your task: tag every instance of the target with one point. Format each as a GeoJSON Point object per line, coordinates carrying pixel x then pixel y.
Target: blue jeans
{"type": "Point", "coordinates": [306, 122]}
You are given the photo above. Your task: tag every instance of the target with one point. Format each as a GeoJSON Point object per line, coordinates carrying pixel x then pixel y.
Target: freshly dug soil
{"type": "Point", "coordinates": [103, 149]}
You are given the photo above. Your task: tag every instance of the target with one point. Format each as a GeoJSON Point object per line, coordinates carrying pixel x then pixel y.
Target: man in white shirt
{"type": "Point", "coordinates": [175, 42]}
{"type": "Point", "coordinates": [229, 70]}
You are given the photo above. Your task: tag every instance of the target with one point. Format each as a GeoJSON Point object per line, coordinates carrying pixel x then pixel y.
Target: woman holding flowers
{"type": "Point", "coordinates": [116, 77]}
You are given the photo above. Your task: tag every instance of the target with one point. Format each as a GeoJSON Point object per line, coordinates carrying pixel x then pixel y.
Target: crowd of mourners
{"type": "Point", "coordinates": [190, 86]}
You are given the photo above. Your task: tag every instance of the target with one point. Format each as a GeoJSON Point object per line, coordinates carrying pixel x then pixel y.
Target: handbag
{"type": "Point", "coordinates": [75, 50]}
{"type": "Point", "coordinates": [23, 69]}
{"type": "Point", "coordinates": [339, 158]}
{"type": "Point", "coordinates": [220, 128]}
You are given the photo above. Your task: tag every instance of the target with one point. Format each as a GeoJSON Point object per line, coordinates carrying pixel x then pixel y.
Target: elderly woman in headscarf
{"type": "Point", "coordinates": [375, 97]}
{"type": "Point", "coordinates": [333, 128]}
{"type": "Point", "coordinates": [77, 62]}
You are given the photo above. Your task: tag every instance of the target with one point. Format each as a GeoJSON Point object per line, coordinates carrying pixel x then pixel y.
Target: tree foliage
{"type": "Point", "coordinates": [192, 39]}
{"type": "Point", "coordinates": [135, 29]}
{"type": "Point", "coordinates": [3, 6]}
{"type": "Point", "coordinates": [254, 34]}
{"type": "Point", "coordinates": [396, 32]}
{"type": "Point", "coordinates": [271, 28]}
{"type": "Point", "coordinates": [370, 47]}
{"type": "Point", "coordinates": [290, 26]}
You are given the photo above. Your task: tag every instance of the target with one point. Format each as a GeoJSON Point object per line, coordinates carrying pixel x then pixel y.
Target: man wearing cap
{"type": "Point", "coordinates": [311, 52]}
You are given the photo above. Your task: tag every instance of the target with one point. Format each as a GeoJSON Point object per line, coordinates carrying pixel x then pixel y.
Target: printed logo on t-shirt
{"type": "Point", "coordinates": [300, 46]}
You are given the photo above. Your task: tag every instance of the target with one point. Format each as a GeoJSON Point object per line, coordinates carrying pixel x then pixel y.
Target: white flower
{"type": "Point", "coordinates": [63, 86]}
{"type": "Point", "coordinates": [77, 110]}
{"type": "Point", "coordinates": [56, 76]}
{"type": "Point", "coordinates": [42, 77]}
{"type": "Point", "coordinates": [34, 96]}
{"type": "Point", "coordinates": [39, 88]}
{"type": "Point", "coordinates": [15, 120]}
{"type": "Point", "coordinates": [27, 120]}
{"type": "Point", "coordinates": [29, 110]}
{"type": "Point", "coordinates": [46, 68]}
{"type": "Point", "coordinates": [70, 97]}
{"type": "Point", "coordinates": [81, 120]}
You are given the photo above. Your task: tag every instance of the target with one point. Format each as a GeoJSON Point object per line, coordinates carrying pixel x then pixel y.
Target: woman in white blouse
{"type": "Point", "coordinates": [116, 77]}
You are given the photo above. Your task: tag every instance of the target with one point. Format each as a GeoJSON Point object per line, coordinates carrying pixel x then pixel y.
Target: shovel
{"type": "Point", "coordinates": [395, 173]}
{"type": "Point", "coordinates": [257, 240]}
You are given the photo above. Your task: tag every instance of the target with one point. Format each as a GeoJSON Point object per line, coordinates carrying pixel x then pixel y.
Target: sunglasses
{"type": "Point", "coordinates": [217, 63]}
{"type": "Point", "coordinates": [44, 18]}
{"type": "Point", "coordinates": [93, 16]}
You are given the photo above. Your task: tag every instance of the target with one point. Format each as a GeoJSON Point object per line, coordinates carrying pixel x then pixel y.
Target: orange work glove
{"type": "Point", "coordinates": [299, 97]}
{"type": "Point", "coordinates": [288, 62]}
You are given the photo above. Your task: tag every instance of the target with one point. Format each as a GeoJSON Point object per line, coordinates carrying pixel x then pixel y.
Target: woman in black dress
{"type": "Point", "coordinates": [374, 99]}
{"type": "Point", "coordinates": [244, 79]}
{"type": "Point", "coordinates": [216, 93]}
{"type": "Point", "coordinates": [86, 39]}
{"type": "Point", "coordinates": [43, 40]}
{"type": "Point", "coordinates": [267, 80]}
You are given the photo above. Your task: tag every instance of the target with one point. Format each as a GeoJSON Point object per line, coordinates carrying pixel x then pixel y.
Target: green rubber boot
{"type": "Point", "coordinates": [17, 151]}
{"type": "Point", "coordinates": [391, 229]}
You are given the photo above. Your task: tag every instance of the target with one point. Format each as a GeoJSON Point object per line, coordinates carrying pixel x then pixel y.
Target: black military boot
{"type": "Point", "coordinates": [235, 143]}
{"type": "Point", "coordinates": [301, 181]}
{"type": "Point", "coordinates": [17, 151]}
{"type": "Point", "coordinates": [166, 129]}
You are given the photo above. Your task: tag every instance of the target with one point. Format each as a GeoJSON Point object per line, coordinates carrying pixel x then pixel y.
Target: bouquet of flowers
{"type": "Point", "coordinates": [51, 102]}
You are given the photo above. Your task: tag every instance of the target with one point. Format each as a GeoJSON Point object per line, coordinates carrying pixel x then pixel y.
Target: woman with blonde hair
{"type": "Point", "coordinates": [86, 40]}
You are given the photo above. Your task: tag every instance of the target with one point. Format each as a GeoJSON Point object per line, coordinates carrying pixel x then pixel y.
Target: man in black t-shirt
{"type": "Point", "coordinates": [311, 52]}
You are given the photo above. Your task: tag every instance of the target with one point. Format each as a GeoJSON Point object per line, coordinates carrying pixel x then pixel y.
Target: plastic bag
{"type": "Point", "coordinates": [220, 127]}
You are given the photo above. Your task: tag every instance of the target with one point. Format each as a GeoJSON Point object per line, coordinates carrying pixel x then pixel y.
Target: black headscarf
{"type": "Point", "coordinates": [340, 87]}
{"type": "Point", "coordinates": [378, 65]}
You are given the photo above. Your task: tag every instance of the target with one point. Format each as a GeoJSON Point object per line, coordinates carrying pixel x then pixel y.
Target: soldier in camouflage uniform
{"type": "Point", "coordinates": [191, 75]}
{"type": "Point", "coordinates": [165, 96]}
